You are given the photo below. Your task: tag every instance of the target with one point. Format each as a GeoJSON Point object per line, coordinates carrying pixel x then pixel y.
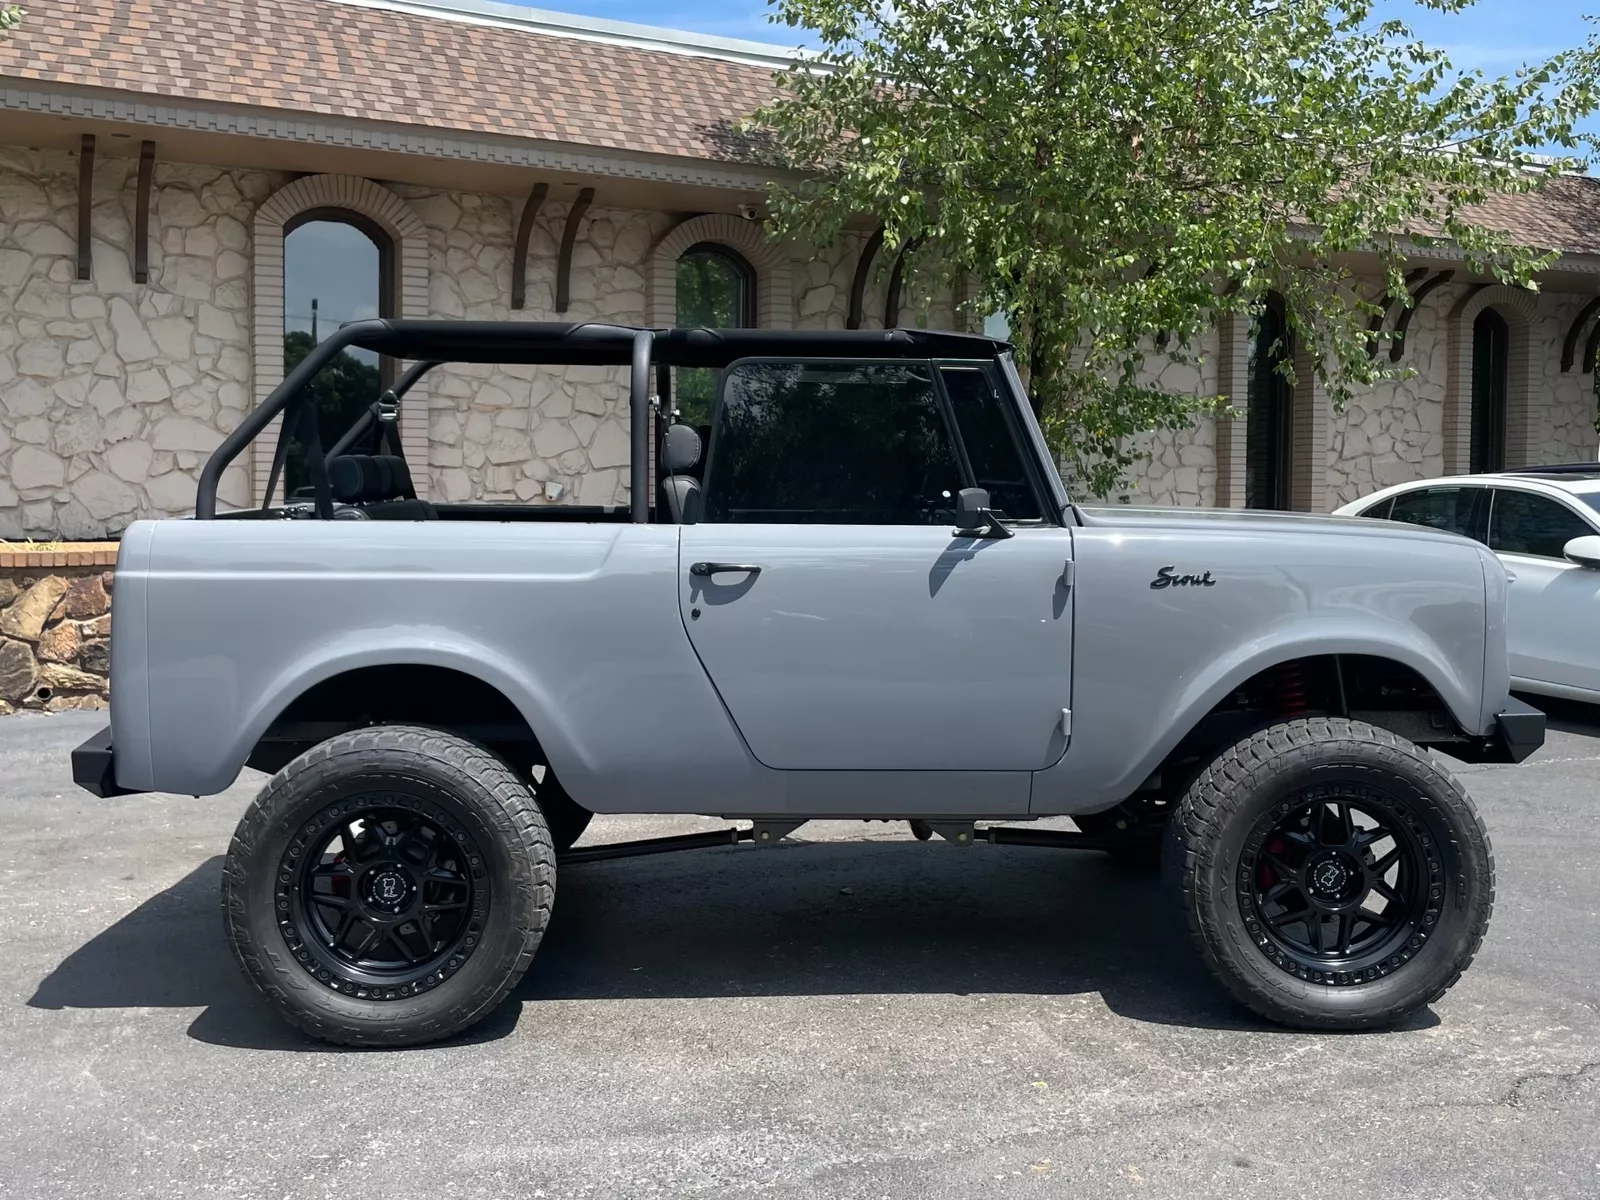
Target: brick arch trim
{"type": "Point", "coordinates": [769, 260]}
{"type": "Point", "coordinates": [410, 237]}
{"type": "Point", "coordinates": [1518, 307]}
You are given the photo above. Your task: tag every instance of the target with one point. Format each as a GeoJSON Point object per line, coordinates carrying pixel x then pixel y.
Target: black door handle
{"type": "Point", "coordinates": [706, 569]}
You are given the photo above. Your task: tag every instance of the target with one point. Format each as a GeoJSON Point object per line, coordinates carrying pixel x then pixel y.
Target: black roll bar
{"type": "Point", "coordinates": [205, 501]}
{"type": "Point", "coordinates": [395, 394]}
{"type": "Point", "coordinates": [639, 428]}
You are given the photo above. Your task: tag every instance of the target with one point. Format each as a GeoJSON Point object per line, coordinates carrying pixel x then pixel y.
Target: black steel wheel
{"type": "Point", "coordinates": [1343, 886]}
{"type": "Point", "coordinates": [389, 886]}
{"type": "Point", "coordinates": [387, 896]}
{"type": "Point", "coordinates": [1333, 875]}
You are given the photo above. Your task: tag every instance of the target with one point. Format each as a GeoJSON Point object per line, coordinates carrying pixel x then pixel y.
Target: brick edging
{"type": "Point", "coordinates": [68, 554]}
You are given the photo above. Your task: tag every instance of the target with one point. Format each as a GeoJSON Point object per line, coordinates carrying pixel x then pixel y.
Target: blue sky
{"type": "Point", "coordinates": [1496, 36]}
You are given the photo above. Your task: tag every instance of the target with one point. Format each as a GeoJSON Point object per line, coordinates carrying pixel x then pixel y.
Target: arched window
{"type": "Point", "coordinates": [1269, 419]}
{"type": "Point", "coordinates": [338, 266]}
{"type": "Point", "coordinates": [716, 290]}
{"type": "Point", "coordinates": [1491, 358]}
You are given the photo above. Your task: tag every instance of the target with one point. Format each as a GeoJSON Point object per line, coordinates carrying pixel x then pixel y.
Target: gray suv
{"type": "Point", "coordinates": [869, 598]}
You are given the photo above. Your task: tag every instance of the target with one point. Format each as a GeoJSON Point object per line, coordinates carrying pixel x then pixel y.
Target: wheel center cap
{"type": "Point", "coordinates": [389, 889]}
{"type": "Point", "coordinates": [1331, 879]}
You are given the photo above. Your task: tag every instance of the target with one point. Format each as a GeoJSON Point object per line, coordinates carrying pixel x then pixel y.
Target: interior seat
{"type": "Point", "coordinates": [680, 492]}
{"type": "Point", "coordinates": [380, 484]}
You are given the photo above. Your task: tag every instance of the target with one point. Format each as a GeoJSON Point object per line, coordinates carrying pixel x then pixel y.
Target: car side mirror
{"type": "Point", "coordinates": [1585, 550]}
{"type": "Point", "coordinates": [974, 518]}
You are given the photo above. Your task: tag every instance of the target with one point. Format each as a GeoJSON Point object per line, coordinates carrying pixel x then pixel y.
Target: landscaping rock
{"type": "Point", "coordinates": [60, 643]}
{"type": "Point", "coordinates": [28, 613]}
{"type": "Point", "coordinates": [18, 671]}
{"type": "Point", "coordinates": [59, 677]}
{"type": "Point", "coordinates": [70, 703]}
{"type": "Point", "coordinates": [96, 657]}
{"type": "Point", "coordinates": [83, 599]}
{"type": "Point", "coordinates": [100, 627]}
{"type": "Point", "coordinates": [8, 591]}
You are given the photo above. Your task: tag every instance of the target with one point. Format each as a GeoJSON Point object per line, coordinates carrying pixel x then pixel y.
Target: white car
{"type": "Point", "coordinates": [1544, 523]}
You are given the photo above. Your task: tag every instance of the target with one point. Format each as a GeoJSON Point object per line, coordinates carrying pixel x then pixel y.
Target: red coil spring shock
{"type": "Point", "coordinates": [1290, 681]}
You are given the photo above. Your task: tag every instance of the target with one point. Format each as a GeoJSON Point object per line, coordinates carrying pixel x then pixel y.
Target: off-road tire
{"type": "Point", "coordinates": [471, 791]}
{"type": "Point", "coordinates": [1208, 863]}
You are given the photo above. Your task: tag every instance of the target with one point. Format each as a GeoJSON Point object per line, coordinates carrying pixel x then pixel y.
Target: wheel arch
{"type": "Point", "coordinates": [1195, 727]}
{"type": "Point", "coordinates": [464, 688]}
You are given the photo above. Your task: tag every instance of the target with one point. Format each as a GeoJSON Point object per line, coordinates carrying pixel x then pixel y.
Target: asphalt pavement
{"type": "Point", "coordinates": [851, 1015]}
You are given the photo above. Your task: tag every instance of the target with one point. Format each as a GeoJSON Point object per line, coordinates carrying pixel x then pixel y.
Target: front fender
{"type": "Point", "coordinates": [1152, 661]}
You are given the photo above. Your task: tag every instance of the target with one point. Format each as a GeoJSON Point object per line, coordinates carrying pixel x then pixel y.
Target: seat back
{"type": "Point", "coordinates": [680, 492]}
{"type": "Point", "coordinates": [380, 484]}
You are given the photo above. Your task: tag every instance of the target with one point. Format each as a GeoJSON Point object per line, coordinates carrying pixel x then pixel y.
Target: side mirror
{"type": "Point", "coordinates": [971, 505]}
{"type": "Point", "coordinates": [974, 518]}
{"type": "Point", "coordinates": [1585, 551]}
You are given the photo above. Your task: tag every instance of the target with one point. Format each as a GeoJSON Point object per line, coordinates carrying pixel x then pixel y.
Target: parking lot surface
{"type": "Point", "coordinates": [851, 1015]}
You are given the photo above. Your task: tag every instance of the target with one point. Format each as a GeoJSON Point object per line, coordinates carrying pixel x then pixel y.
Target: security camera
{"type": "Point", "coordinates": [749, 212]}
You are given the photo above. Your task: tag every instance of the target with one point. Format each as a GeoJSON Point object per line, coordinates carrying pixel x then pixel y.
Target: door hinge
{"type": "Point", "coordinates": [1069, 574]}
{"type": "Point", "coordinates": [1066, 722]}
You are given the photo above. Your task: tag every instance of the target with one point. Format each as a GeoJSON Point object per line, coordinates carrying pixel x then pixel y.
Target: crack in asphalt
{"type": "Point", "coordinates": [1563, 1083]}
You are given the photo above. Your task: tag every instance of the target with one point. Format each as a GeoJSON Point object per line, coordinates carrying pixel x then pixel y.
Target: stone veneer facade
{"type": "Point", "coordinates": [112, 393]}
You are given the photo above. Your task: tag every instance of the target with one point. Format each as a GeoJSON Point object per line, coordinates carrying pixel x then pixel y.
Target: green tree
{"type": "Point", "coordinates": [10, 17]}
{"type": "Point", "coordinates": [1115, 175]}
{"type": "Point", "coordinates": [341, 391]}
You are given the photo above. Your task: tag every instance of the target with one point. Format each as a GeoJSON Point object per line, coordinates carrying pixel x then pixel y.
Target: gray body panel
{"type": "Point", "coordinates": [901, 647]}
{"type": "Point", "coordinates": [1150, 662]}
{"type": "Point", "coordinates": [222, 624]}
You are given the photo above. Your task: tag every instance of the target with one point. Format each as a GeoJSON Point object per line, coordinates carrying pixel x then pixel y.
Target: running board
{"type": "Point", "coordinates": [660, 845]}
{"type": "Point", "coordinates": [767, 832]}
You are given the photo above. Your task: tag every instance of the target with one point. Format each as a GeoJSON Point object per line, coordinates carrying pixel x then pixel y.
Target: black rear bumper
{"type": "Point", "coordinates": [94, 767]}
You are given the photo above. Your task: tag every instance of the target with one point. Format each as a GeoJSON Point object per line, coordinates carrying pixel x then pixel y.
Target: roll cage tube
{"type": "Point", "coordinates": [394, 395]}
{"type": "Point", "coordinates": [639, 429]}
{"type": "Point", "coordinates": [587, 343]}
{"type": "Point", "coordinates": [205, 501]}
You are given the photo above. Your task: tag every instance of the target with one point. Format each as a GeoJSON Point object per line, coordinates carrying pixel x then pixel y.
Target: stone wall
{"type": "Point", "coordinates": [112, 393]}
{"type": "Point", "coordinates": [527, 434]}
{"type": "Point", "coordinates": [55, 627]}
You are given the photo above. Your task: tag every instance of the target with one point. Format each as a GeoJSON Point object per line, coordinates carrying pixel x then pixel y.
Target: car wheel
{"type": "Point", "coordinates": [1332, 875]}
{"type": "Point", "coordinates": [389, 886]}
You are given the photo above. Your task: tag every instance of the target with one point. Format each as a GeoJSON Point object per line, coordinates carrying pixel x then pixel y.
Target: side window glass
{"type": "Point", "coordinates": [1446, 508]}
{"type": "Point", "coordinates": [997, 464]}
{"type": "Point", "coordinates": [1522, 523]}
{"type": "Point", "coordinates": [831, 444]}
{"type": "Point", "coordinates": [1380, 512]}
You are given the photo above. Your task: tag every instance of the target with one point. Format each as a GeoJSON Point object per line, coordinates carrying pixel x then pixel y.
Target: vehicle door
{"type": "Point", "coordinates": [1453, 508]}
{"type": "Point", "coordinates": [844, 623]}
{"type": "Point", "coordinates": [1551, 627]}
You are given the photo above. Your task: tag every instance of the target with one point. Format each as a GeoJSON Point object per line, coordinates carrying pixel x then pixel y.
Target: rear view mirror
{"type": "Point", "coordinates": [1585, 551]}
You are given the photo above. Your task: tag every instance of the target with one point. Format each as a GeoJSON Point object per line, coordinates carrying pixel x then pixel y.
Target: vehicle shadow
{"type": "Point", "coordinates": [800, 919]}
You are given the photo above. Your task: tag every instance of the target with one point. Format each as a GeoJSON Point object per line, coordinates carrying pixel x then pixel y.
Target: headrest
{"type": "Point", "coordinates": [681, 449]}
{"type": "Point", "coordinates": [368, 478]}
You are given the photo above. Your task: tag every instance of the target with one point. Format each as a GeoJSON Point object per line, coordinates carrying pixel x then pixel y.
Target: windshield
{"type": "Point", "coordinates": [1592, 499]}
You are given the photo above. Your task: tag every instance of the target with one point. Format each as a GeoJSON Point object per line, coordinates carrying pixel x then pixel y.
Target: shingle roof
{"type": "Point", "coordinates": [341, 60]}
{"type": "Point", "coordinates": [347, 61]}
{"type": "Point", "coordinates": [1563, 215]}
